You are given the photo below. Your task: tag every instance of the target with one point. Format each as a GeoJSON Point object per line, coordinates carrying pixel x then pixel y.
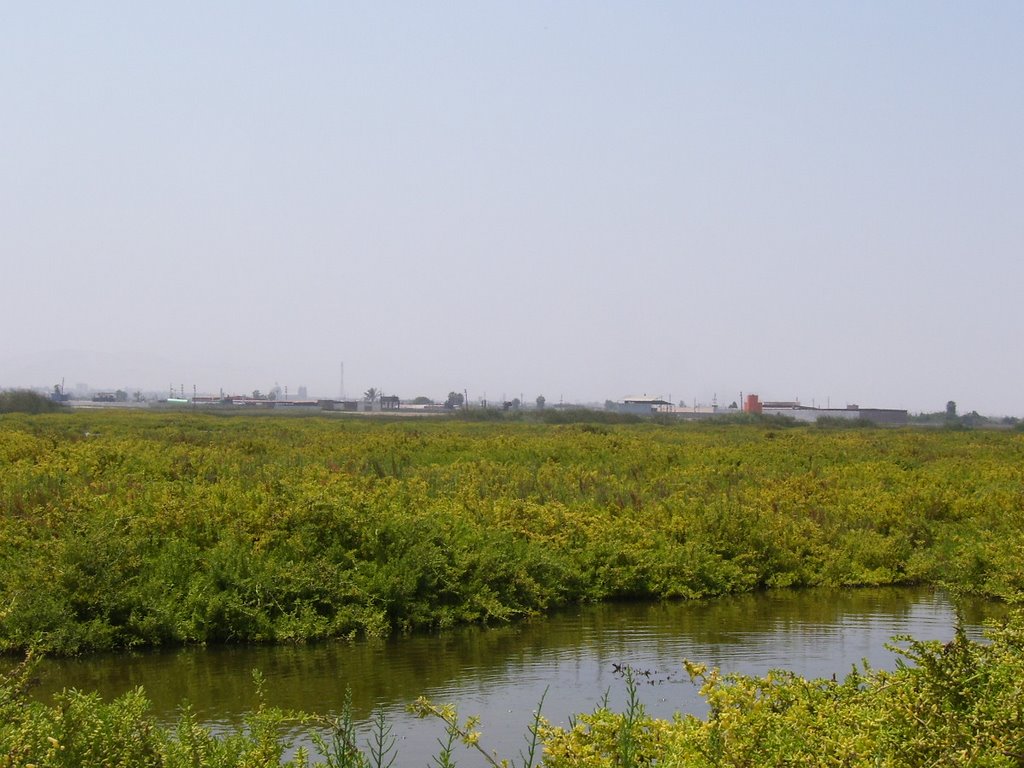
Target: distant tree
{"type": "Point", "coordinates": [26, 401]}
{"type": "Point", "coordinates": [455, 400]}
{"type": "Point", "coordinates": [541, 400]}
{"type": "Point", "coordinates": [951, 409]}
{"type": "Point", "coordinates": [733, 405]}
{"type": "Point", "coordinates": [137, 396]}
{"type": "Point", "coordinates": [516, 403]}
{"type": "Point", "coordinates": [421, 400]}
{"type": "Point", "coordinates": [973, 419]}
{"type": "Point", "coordinates": [275, 393]}
{"type": "Point", "coordinates": [371, 395]}
{"type": "Point", "coordinates": [121, 396]}
{"type": "Point", "coordinates": [257, 395]}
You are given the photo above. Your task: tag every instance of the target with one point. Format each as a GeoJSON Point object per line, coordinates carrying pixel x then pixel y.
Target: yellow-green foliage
{"type": "Point", "coordinates": [128, 529]}
{"type": "Point", "coordinates": [958, 704]}
{"type": "Point", "coordinates": [79, 730]}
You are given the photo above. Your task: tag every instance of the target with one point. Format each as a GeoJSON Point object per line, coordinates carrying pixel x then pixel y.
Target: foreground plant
{"type": "Point", "coordinates": [342, 749]}
{"type": "Point", "coordinates": [955, 704]}
{"type": "Point", "coordinates": [959, 703]}
{"type": "Point", "coordinates": [466, 733]}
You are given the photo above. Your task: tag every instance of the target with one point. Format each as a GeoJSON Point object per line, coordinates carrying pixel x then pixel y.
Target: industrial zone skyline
{"type": "Point", "coordinates": [371, 398]}
{"type": "Point", "coordinates": [82, 374]}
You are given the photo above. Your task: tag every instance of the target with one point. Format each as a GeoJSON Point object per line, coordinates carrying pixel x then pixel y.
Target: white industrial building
{"type": "Point", "coordinates": [798, 412]}
{"type": "Point", "coordinates": [649, 406]}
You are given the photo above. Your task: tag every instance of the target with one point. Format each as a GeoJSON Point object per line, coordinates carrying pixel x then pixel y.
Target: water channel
{"type": "Point", "coordinates": [501, 673]}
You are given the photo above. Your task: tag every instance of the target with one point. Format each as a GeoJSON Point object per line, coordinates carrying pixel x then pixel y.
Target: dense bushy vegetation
{"type": "Point", "coordinates": [26, 401]}
{"type": "Point", "coordinates": [79, 730]}
{"type": "Point", "coordinates": [121, 530]}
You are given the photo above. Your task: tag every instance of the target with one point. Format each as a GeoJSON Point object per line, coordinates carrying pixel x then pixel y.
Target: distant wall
{"type": "Point", "coordinates": [875, 415]}
{"type": "Point", "coordinates": [811, 415]}
{"type": "Point", "coordinates": [885, 415]}
{"type": "Point", "coordinates": [641, 409]}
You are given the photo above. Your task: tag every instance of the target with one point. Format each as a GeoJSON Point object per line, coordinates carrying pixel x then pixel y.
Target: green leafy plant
{"type": "Point", "coordinates": [127, 530]}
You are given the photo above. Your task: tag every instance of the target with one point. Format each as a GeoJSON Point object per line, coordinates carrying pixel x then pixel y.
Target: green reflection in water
{"type": "Point", "coordinates": [501, 672]}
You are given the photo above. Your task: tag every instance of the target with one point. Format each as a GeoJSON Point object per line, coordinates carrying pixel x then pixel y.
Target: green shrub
{"type": "Point", "coordinates": [26, 401]}
{"type": "Point", "coordinates": [121, 530]}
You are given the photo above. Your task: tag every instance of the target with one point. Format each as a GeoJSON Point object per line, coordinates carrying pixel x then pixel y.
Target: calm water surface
{"type": "Point", "coordinates": [501, 674]}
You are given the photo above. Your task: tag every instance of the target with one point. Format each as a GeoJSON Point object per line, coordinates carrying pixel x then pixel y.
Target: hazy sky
{"type": "Point", "coordinates": [582, 200]}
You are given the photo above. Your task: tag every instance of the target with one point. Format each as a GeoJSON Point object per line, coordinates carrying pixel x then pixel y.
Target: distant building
{"type": "Point", "coordinates": [389, 403]}
{"type": "Point", "coordinates": [895, 416]}
{"type": "Point", "coordinates": [643, 406]}
{"type": "Point", "coordinates": [338, 405]}
{"type": "Point", "coordinates": [650, 406]}
{"type": "Point", "coordinates": [794, 410]}
{"type": "Point", "coordinates": [806, 413]}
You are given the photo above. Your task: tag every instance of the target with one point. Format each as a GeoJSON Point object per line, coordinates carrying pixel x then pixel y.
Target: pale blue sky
{"type": "Point", "coordinates": [584, 200]}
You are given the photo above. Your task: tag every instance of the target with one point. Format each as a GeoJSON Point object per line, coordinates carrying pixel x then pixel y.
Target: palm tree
{"type": "Point", "coordinates": [370, 395]}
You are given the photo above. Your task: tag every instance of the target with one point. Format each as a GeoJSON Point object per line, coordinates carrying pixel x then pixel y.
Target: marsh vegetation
{"type": "Point", "coordinates": [121, 531]}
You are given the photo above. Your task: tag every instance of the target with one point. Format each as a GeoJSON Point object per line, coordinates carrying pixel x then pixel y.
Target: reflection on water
{"type": "Point", "coordinates": [502, 673]}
